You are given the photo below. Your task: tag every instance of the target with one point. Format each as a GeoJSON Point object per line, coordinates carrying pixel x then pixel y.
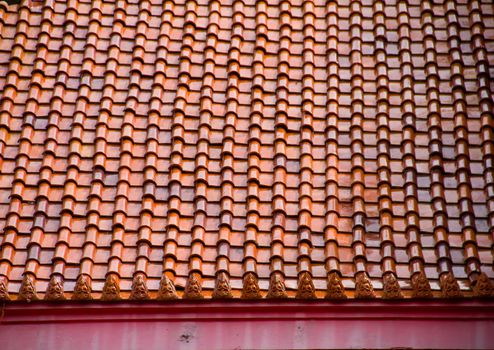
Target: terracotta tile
{"type": "Point", "coordinates": [274, 144]}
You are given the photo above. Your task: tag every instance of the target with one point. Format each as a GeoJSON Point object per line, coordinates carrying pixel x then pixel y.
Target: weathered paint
{"type": "Point", "coordinates": [245, 325]}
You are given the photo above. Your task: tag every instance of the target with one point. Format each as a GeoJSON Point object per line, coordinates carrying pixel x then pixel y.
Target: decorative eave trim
{"type": "Point", "coordinates": [231, 309]}
{"type": "Point", "coordinates": [255, 324]}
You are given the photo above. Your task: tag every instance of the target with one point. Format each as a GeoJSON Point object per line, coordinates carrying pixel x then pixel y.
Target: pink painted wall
{"type": "Point", "coordinates": [241, 325]}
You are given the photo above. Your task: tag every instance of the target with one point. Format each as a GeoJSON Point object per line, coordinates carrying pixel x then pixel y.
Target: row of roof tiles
{"type": "Point", "coordinates": [155, 138]}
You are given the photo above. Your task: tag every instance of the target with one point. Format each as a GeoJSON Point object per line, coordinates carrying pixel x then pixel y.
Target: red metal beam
{"type": "Point", "coordinates": [245, 325]}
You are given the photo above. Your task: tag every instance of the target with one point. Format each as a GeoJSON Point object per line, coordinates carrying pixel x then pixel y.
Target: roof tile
{"type": "Point", "coordinates": [311, 148]}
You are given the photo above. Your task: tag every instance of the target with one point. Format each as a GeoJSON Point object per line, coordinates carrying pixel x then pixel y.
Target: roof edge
{"type": "Point", "coordinates": [120, 311]}
{"type": "Point", "coordinates": [262, 324]}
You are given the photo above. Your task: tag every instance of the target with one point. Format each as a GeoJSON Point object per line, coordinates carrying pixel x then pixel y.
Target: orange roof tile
{"type": "Point", "coordinates": [311, 148]}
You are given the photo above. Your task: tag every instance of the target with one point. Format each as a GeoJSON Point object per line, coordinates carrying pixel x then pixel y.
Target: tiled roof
{"type": "Point", "coordinates": [305, 148]}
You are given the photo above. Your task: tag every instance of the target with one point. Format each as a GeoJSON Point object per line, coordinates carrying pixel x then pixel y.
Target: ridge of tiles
{"type": "Point", "coordinates": [158, 149]}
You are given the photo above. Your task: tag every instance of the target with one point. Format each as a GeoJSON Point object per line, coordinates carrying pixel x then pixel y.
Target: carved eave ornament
{"type": "Point", "coordinates": [335, 288]}
{"type": "Point", "coordinates": [363, 287]}
{"type": "Point", "coordinates": [82, 290]}
{"type": "Point", "coordinates": [4, 292]}
{"type": "Point", "coordinates": [277, 288]}
{"type": "Point", "coordinates": [483, 287]}
{"type": "Point", "coordinates": [222, 289]}
{"type": "Point", "coordinates": [54, 291]}
{"type": "Point", "coordinates": [306, 289]}
{"type": "Point", "coordinates": [193, 288]}
{"type": "Point", "coordinates": [391, 288]}
{"type": "Point", "coordinates": [139, 288]}
{"type": "Point", "coordinates": [421, 286]}
{"type": "Point", "coordinates": [250, 288]}
{"type": "Point", "coordinates": [27, 292]}
{"type": "Point", "coordinates": [111, 289]}
{"type": "Point", "coordinates": [167, 289]}
{"type": "Point", "coordinates": [449, 286]}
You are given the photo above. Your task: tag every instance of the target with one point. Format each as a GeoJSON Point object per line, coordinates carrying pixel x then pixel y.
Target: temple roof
{"type": "Point", "coordinates": [196, 149]}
